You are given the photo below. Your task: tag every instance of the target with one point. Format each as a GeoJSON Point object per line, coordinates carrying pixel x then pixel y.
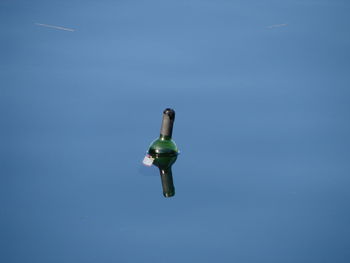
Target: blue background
{"type": "Point", "coordinates": [262, 124]}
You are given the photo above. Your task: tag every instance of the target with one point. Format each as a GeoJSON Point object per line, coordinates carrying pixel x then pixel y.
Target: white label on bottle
{"type": "Point", "coordinates": [148, 160]}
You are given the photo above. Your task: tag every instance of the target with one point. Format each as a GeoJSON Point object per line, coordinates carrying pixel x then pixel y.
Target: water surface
{"type": "Point", "coordinates": [261, 93]}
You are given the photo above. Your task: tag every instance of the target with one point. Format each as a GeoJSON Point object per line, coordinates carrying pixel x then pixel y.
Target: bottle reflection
{"type": "Point", "coordinates": [167, 182]}
{"type": "Point", "coordinates": [164, 164]}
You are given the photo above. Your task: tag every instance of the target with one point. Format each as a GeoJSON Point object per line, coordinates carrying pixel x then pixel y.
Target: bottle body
{"type": "Point", "coordinates": [164, 151]}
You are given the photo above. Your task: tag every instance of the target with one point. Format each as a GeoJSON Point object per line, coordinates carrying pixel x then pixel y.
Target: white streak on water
{"type": "Point", "coordinates": [56, 27]}
{"type": "Point", "coordinates": [277, 25]}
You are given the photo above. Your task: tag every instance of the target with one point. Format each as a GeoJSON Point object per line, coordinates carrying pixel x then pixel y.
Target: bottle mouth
{"type": "Point", "coordinates": [170, 113]}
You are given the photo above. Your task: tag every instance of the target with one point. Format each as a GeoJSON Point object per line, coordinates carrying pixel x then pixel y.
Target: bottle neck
{"type": "Point", "coordinates": [166, 130]}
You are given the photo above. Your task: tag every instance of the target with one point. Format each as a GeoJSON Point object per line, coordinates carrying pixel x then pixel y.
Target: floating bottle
{"type": "Point", "coordinates": [163, 153]}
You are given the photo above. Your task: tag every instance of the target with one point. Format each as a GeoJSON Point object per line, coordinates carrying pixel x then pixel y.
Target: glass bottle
{"type": "Point", "coordinates": [163, 152]}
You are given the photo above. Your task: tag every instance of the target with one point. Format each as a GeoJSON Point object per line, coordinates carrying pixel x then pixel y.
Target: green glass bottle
{"type": "Point", "coordinates": [163, 153]}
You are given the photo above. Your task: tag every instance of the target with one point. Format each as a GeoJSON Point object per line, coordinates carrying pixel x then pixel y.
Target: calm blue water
{"type": "Point", "coordinates": [261, 93]}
